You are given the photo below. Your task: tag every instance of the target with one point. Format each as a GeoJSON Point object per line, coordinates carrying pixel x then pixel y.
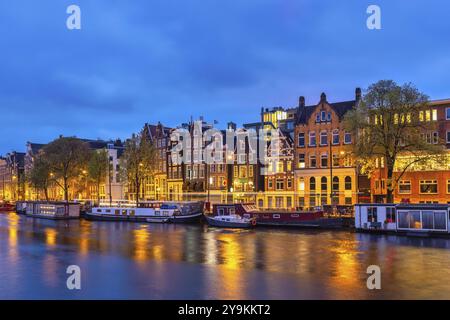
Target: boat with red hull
{"type": "Point", "coordinates": [282, 218]}
{"type": "Point", "coordinates": [6, 207]}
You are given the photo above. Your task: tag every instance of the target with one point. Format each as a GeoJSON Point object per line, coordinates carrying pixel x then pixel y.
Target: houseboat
{"type": "Point", "coordinates": [53, 210]}
{"type": "Point", "coordinates": [280, 218]}
{"type": "Point", "coordinates": [21, 207]}
{"type": "Point", "coordinates": [6, 207]}
{"type": "Point", "coordinates": [408, 219]}
{"type": "Point", "coordinates": [158, 212]}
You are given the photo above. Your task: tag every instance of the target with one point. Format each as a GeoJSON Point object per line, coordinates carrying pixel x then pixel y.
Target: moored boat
{"type": "Point", "coordinates": [52, 210]}
{"type": "Point", "coordinates": [230, 221]}
{"type": "Point", "coordinates": [151, 212]}
{"type": "Point", "coordinates": [6, 207]}
{"type": "Point", "coordinates": [280, 218]}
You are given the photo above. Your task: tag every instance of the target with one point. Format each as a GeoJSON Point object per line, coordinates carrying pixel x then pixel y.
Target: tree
{"type": "Point", "coordinates": [138, 161]}
{"type": "Point", "coordinates": [66, 157]}
{"type": "Point", "coordinates": [98, 166]}
{"type": "Point", "coordinates": [39, 176]}
{"type": "Point", "coordinates": [391, 123]}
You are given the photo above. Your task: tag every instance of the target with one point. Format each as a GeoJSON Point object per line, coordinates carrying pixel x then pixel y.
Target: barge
{"type": "Point", "coordinates": [406, 219]}
{"type": "Point", "coordinates": [6, 207]}
{"type": "Point", "coordinates": [151, 212]}
{"type": "Point", "coordinates": [51, 210]}
{"type": "Point", "coordinates": [280, 218]}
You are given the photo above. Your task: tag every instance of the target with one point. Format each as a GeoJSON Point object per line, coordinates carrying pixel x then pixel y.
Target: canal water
{"type": "Point", "coordinates": [166, 261]}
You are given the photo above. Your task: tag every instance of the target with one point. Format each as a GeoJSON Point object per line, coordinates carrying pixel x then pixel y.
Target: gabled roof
{"type": "Point", "coordinates": [340, 108]}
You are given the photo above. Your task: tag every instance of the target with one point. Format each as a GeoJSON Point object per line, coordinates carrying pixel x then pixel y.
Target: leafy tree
{"type": "Point", "coordinates": [98, 166]}
{"type": "Point", "coordinates": [39, 176]}
{"type": "Point", "coordinates": [138, 161]}
{"type": "Point", "coordinates": [66, 157]}
{"type": "Point", "coordinates": [391, 122]}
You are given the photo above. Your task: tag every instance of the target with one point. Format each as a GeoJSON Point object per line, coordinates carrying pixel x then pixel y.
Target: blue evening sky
{"type": "Point", "coordinates": [148, 60]}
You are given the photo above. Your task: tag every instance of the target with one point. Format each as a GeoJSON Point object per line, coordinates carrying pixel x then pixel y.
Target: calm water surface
{"type": "Point", "coordinates": [152, 261]}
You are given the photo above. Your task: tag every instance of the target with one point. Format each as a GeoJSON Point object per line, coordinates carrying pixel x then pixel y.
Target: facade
{"type": "Point", "coordinates": [81, 188]}
{"type": "Point", "coordinates": [424, 183]}
{"type": "Point", "coordinates": [12, 176]}
{"type": "Point", "coordinates": [325, 173]}
{"type": "Point", "coordinates": [155, 187]}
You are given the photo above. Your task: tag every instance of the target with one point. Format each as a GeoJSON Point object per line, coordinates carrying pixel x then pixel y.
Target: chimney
{"type": "Point", "coordinates": [231, 126]}
{"type": "Point", "coordinates": [301, 101]}
{"type": "Point", "coordinates": [323, 97]}
{"type": "Point", "coordinates": [358, 94]}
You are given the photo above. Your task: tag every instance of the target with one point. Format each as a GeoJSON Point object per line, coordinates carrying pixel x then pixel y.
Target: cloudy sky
{"type": "Point", "coordinates": [148, 60]}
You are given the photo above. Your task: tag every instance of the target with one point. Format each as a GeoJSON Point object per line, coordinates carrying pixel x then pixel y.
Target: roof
{"type": "Point", "coordinates": [340, 108]}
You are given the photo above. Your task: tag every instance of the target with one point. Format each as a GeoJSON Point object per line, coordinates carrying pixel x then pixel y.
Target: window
{"type": "Point", "coordinates": [280, 167]}
{"type": "Point", "coordinates": [289, 183]}
{"type": "Point", "coordinates": [348, 183]}
{"type": "Point", "coordinates": [289, 202]}
{"type": "Point", "coordinates": [372, 214]}
{"type": "Point", "coordinates": [301, 139]}
{"type": "Point", "coordinates": [323, 184]}
{"type": "Point", "coordinates": [448, 136]}
{"type": "Point", "coordinates": [348, 201]}
{"type": "Point", "coordinates": [335, 136]}
{"type": "Point", "coordinates": [323, 116]}
{"type": "Point", "coordinates": [318, 117]}
{"type": "Point", "coordinates": [270, 183]}
{"type": "Point", "coordinates": [434, 115]}
{"type": "Point", "coordinates": [390, 214]}
{"type": "Point", "coordinates": [404, 187]}
{"type": "Point", "coordinates": [312, 184]}
{"type": "Point", "coordinates": [447, 114]}
{"type": "Point", "coordinates": [280, 184]}
{"type": "Point", "coordinates": [448, 186]}
{"type": "Point", "coordinates": [312, 139]}
{"type": "Point", "coordinates": [301, 201]}
{"type": "Point", "coordinates": [301, 160]}
{"type": "Point", "coordinates": [323, 138]}
{"type": "Point", "coordinates": [324, 161]}
{"type": "Point", "coordinates": [428, 186]}
{"type": "Point", "coordinates": [335, 184]}
{"type": "Point", "coordinates": [312, 161]}
{"type": "Point", "coordinates": [347, 138]}
{"type": "Point", "coordinates": [329, 116]}
{"type": "Point", "coordinates": [250, 171]}
{"type": "Point", "coordinates": [301, 184]}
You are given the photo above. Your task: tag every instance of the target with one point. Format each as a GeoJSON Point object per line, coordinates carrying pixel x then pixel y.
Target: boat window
{"type": "Point", "coordinates": [440, 220]}
{"type": "Point", "coordinates": [124, 212]}
{"type": "Point", "coordinates": [117, 212]}
{"type": "Point", "coordinates": [372, 214]}
{"type": "Point", "coordinates": [221, 212]}
{"type": "Point", "coordinates": [295, 215]}
{"type": "Point", "coordinates": [232, 211]}
{"type": "Point", "coordinates": [108, 210]}
{"type": "Point", "coordinates": [276, 216]}
{"type": "Point", "coordinates": [99, 210]}
{"type": "Point", "coordinates": [390, 214]}
{"type": "Point", "coordinates": [132, 212]}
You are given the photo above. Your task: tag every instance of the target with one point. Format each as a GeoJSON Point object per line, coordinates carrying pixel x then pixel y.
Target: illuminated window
{"type": "Point", "coordinates": [335, 184]}
{"type": "Point", "coordinates": [280, 167]}
{"type": "Point", "coordinates": [434, 115]}
{"type": "Point", "coordinates": [280, 184]}
{"type": "Point", "coordinates": [301, 160]}
{"type": "Point", "coordinates": [428, 115]}
{"type": "Point", "coordinates": [301, 184]}
{"type": "Point", "coordinates": [448, 186]}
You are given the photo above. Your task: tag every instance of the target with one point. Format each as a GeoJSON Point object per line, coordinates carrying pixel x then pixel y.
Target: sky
{"type": "Point", "coordinates": [142, 61]}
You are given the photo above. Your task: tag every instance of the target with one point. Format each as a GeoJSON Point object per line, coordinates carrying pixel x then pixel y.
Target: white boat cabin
{"type": "Point", "coordinates": [403, 217]}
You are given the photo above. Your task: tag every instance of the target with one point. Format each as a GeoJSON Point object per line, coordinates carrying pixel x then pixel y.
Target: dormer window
{"type": "Point", "coordinates": [323, 116]}
{"type": "Point", "coordinates": [318, 117]}
{"type": "Point", "coordinates": [329, 116]}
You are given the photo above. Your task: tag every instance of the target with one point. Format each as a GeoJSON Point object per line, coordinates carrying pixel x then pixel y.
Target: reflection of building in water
{"type": "Point", "coordinates": [141, 239]}
{"type": "Point", "coordinates": [50, 236]}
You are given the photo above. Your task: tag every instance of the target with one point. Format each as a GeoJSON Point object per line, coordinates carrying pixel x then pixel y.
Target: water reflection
{"type": "Point", "coordinates": [126, 260]}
